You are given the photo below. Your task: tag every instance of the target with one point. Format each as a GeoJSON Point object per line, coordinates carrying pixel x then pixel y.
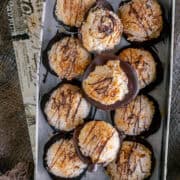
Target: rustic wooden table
{"type": "Point", "coordinates": [14, 138]}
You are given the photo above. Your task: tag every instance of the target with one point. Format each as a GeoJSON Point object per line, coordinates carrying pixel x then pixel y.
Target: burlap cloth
{"type": "Point", "coordinates": [24, 24]}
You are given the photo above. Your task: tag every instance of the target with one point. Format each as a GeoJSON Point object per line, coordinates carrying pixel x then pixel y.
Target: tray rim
{"type": "Point", "coordinates": [165, 143]}
{"type": "Point", "coordinates": [165, 139]}
{"type": "Point", "coordinates": [38, 88]}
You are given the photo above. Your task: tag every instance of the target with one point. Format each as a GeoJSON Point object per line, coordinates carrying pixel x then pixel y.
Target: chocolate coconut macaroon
{"type": "Point", "coordinates": [133, 162]}
{"type": "Point", "coordinates": [68, 58]}
{"type": "Point", "coordinates": [102, 29]}
{"type": "Point", "coordinates": [97, 142]}
{"type": "Point", "coordinates": [136, 117]}
{"type": "Point", "coordinates": [142, 20]}
{"type": "Point", "coordinates": [109, 83]}
{"type": "Point", "coordinates": [61, 160]}
{"type": "Point", "coordinates": [66, 108]}
{"type": "Point", "coordinates": [143, 62]}
{"type": "Point", "coordinates": [72, 13]}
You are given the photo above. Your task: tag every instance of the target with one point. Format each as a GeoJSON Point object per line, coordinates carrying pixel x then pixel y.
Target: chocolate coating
{"type": "Point", "coordinates": [136, 117]}
{"type": "Point", "coordinates": [129, 73]}
{"type": "Point", "coordinates": [101, 30]}
{"type": "Point", "coordinates": [60, 158]}
{"type": "Point", "coordinates": [133, 162]}
{"type": "Point", "coordinates": [107, 84]}
{"type": "Point", "coordinates": [143, 62]}
{"type": "Point", "coordinates": [72, 13]}
{"type": "Point", "coordinates": [97, 142]}
{"type": "Point", "coordinates": [142, 20]}
{"type": "Point", "coordinates": [66, 108]}
{"type": "Point", "coordinates": [67, 58]}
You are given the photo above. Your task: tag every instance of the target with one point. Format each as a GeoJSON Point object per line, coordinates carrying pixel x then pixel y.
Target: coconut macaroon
{"type": "Point", "coordinates": [107, 84]}
{"type": "Point", "coordinates": [68, 59]}
{"type": "Point", "coordinates": [72, 13]}
{"type": "Point", "coordinates": [133, 162]}
{"type": "Point", "coordinates": [136, 117]}
{"type": "Point", "coordinates": [143, 62]}
{"type": "Point", "coordinates": [101, 31]}
{"type": "Point", "coordinates": [66, 108]}
{"type": "Point", "coordinates": [99, 141]}
{"type": "Point", "coordinates": [142, 20]}
{"type": "Point", "coordinates": [62, 160]}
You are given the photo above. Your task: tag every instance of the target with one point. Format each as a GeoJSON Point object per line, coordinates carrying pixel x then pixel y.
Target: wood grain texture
{"type": "Point", "coordinates": [14, 139]}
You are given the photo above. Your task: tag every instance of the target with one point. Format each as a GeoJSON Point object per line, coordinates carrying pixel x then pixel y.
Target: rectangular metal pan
{"type": "Point", "coordinates": [162, 94]}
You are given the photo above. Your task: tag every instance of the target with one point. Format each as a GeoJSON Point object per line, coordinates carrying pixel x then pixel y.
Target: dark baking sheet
{"type": "Point", "coordinates": [162, 94]}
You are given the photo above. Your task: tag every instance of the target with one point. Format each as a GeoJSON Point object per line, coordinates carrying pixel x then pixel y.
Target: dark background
{"type": "Point", "coordinates": [14, 139]}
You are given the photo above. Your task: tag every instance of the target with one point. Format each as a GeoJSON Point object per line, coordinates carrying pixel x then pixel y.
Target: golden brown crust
{"type": "Point", "coordinates": [62, 159]}
{"type": "Point", "coordinates": [100, 141]}
{"type": "Point", "coordinates": [143, 63]}
{"type": "Point", "coordinates": [107, 84]}
{"type": "Point", "coordinates": [142, 20]}
{"type": "Point", "coordinates": [136, 117]}
{"type": "Point", "coordinates": [72, 13]}
{"type": "Point", "coordinates": [68, 58]}
{"type": "Point", "coordinates": [132, 163]}
{"type": "Point", "coordinates": [66, 108]}
{"type": "Point", "coordinates": [102, 30]}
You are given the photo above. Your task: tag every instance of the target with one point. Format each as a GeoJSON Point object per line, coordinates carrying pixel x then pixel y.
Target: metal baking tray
{"type": "Point", "coordinates": [162, 94]}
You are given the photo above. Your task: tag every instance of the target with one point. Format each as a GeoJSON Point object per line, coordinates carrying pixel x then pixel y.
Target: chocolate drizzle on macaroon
{"type": "Point", "coordinates": [142, 20]}
{"type": "Point", "coordinates": [109, 83]}
{"type": "Point", "coordinates": [102, 29]}
{"type": "Point", "coordinates": [136, 117]}
{"type": "Point", "coordinates": [72, 13]}
{"type": "Point", "coordinates": [66, 57]}
{"type": "Point", "coordinates": [66, 108]}
{"type": "Point", "coordinates": [141, 117]}
{"type": "Point", "coordinates": [146, 63]}
{"type": "Point", "coordinates": [97, 143]}
{"type": "Point", "coordinates": [61, 160]}
{"type": "Point", "coordinates": [143, 63]}
{"type": "Point", "coordinates": [134, 161]}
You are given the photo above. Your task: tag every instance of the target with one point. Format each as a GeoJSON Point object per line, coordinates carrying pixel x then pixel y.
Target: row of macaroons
{"type": "Point", "coordinates": [109, 82]}
{"type": "Point", "coordinates": [66, 58]}
{"type": "Point", "coordinates": [101, 28]}
{"type": "Point", "coordinates": [66, 107]}
{"type": "Point", "coordinates": [97, 143]}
